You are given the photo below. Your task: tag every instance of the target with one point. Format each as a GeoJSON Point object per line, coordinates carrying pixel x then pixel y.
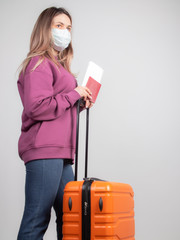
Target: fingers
{"type": "Point", "coordinates": [84, 92]}
{"type": "Point", "coordinates": [91, 104]}
{"type": "Point", "coordinates": [88, 104]}
{"type": "Point", "coordinates": [87, 94]}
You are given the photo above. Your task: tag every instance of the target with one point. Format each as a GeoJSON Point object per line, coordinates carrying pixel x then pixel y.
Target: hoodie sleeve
{"type": "Point", "coordinates": [40, 103]}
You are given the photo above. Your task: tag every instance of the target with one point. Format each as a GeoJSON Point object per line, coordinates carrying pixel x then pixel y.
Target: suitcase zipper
{"type": "Point", "coordinates": [86, 210]}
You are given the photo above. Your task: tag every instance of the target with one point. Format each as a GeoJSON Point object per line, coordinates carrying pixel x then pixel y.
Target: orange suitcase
{"type": "Point", "coordinates": [97, 209]}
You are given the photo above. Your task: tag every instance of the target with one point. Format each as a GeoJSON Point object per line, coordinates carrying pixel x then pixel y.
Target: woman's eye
{"type": "Point", "coordinates": [58, 25]}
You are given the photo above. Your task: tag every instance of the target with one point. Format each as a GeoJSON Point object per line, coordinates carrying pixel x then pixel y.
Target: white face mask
{"type": "Point", "coordinates": [61, 38]}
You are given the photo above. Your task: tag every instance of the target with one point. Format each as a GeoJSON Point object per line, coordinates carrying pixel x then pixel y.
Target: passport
{"type": "Point", "coordinates": [92, 79]}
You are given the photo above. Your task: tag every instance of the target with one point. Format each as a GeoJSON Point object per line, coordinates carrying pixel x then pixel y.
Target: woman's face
{"type": "Point", "coordinates": [62, 21]}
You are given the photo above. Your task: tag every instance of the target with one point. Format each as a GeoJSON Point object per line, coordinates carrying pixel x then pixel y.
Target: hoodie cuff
{"type": "Point", "coordinates": [72, 97]}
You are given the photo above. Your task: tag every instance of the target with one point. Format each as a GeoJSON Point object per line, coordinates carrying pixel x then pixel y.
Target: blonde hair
{"type": "Point", "coordinates": [40, 41]}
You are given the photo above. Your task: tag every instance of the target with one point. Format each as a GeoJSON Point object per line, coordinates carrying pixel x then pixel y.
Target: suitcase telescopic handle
{"type": "Point", "coordinates": [81, 101]}
{"type": "Point", "coordinates": [77, 140]}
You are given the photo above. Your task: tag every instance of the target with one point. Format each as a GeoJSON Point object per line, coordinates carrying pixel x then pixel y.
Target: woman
{"type": "Point", "coordinates": [49, 94]}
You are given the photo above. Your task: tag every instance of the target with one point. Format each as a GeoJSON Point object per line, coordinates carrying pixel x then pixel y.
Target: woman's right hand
{"type": "Point", "coordinates": [84, 92]}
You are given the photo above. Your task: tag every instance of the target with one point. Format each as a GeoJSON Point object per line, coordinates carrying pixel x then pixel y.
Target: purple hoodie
{"type": "Point", "coordinates": [49, 115]}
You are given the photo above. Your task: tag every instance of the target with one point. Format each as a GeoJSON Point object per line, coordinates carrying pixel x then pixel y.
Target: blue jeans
{"type": "Point", "coordinates": [44, 188]}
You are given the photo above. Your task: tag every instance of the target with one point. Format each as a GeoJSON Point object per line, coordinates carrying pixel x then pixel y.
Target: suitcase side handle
{"type": "Point", "coordinates": [80, 101]}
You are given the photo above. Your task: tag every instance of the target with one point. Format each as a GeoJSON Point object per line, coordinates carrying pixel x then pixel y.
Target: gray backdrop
{"type": "Point", "coordinates": [134, 127]}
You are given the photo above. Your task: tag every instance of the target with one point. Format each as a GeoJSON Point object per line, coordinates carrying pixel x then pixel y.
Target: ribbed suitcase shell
{"type": "Point", "coordinates": [115, 221]}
